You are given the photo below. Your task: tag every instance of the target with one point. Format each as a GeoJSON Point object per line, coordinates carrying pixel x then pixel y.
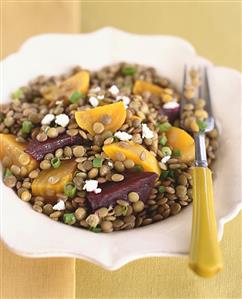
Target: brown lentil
{"type": "Point", "coordinates": [37, 208]}
{"type": "Point", "coordinates": [106, 226]}
{"type": "Point", "coordinates": [33, 174]}
{"type": "Point", "coordinates": [10, 181]}
{"type": "Point", "coordinates": [48, 209]}
{"type": "Point", "coordinates": [175, 208]}
{"type": "Point", "coordinates": [98, 127]}
{"type": "Point", "coordinates": [92, 173]}
{"type": "Point", "coordinates": [119, 166]}
{"type": "Point", "coordinates": [181, 191]}
{"type": "Point", "coordinates": [117, 177]}
{"type": "Point", "coordinates": [120, 156]}
{"type": "Point", "coordinates": [106, 119]}
{"type": "Point", "coordinates": [128, 163]}
{"type": "Point", "coordinates": [52, 133]}
{"type": "Point", "coordinates": [15, 170]}
{"type": "Point", "coordinates": [138, 206]}
{"type": "Point", "coordinates": [80, 214]}
{"type": "Point", "coordinates": [133, 197]}
{"type": "Point", "coordinates": [45, 164]}
{"type": "Point", "coordinates": [26, 196]}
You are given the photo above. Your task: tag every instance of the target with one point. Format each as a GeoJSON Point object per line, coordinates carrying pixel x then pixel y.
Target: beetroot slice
{"type": "Point", "coordinates": [140, 182]}
{"type": "Point", "coordinates": [171, 113]}
{"type": "Point", "coordinates": [38, 149]}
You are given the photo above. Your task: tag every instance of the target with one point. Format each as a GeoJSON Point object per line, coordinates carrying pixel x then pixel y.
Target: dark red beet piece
{"type": "Point", "coordinates": [140, 182]}
{"type": "Point", "coordinates": [38, 149]}
{"type": "Point", "coordinates": [171, 113]}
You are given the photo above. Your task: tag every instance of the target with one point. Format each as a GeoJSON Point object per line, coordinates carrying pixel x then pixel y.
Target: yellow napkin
{"type": "Point", "coordinates": [36, 278]}
{"type": "Point", "coordinates": [170, 277]}
{"type": "Point", "coordinates": [22, 277]}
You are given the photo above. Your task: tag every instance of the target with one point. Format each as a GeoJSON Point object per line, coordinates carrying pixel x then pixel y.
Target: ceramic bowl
{"type": "Point", "coordinates": [31, 234]}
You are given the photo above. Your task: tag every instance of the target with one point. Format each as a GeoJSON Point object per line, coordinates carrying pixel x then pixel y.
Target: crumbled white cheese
{"type": "Point", "coordinates": [123, 136]}
{"type": "Point", "coordinates": [100, 97]}
{"type": "Point", "coordinates": [58, 102]}
{"type": "Point", "coordinates": [165, 159]}
{"type": "Point", "coordinates": [98, 190]}
{"type": "Point", "coordinates": [110, 163]}
{"type": "Point", "coordinates": [146, 132]}
{"type": "Point", "coordinates": [59, 206]}
{"type": "Point", "coordinates": [124, 99]}
{"type": "Point", "coordinates": [170, 105]}
{"type": "Point", "coordinates": [48, 118]}
{"type": "Point", "coordinates": [95, 89]}
{"type": "Point", "coordinates": [91, 185]}
{"type": "Point", "coordinates": [62, 120]}
{"type": "Point", "coordinates": [114, 90]}
{"type": "Point", "coordinates": [93, 101]}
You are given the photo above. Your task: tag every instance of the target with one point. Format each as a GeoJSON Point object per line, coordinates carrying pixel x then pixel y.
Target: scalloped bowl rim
{"type": "Point", "coordinates": [119, 262]}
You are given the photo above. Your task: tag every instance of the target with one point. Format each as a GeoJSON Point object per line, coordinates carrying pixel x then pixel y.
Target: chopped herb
{"type": "Point", "coordinates": [69, 218]}
{"type": "Point", "coordinates": [176, 153]}
{"type": "Point", "coordinates": [76, 96]}
{"type": "Point", "coordinates": [17, 94]}
{"type": "Point", "coordinates": [164, 127]}
{"type": "Point", "coordinates": [7, 172]}
{"type": "Point", "coordinates": [166, 151]}
{"type": "Point", "coordinates": [95, 229]}
{"type": "Point", "coordinates": [26, 126]}
{"type": "Point", "coordinates": [70, 190]}
{"type": "Point", "coordinates": [167, 173]}
{"type": "Point", "coordinates": [161, 189]}
{"type": "Point", "coordinates": [163, 140]}
{"type": "Point", "coordinates": [55, 162]}
{"type": "Point", "coordinates": [128, 71]}
{"type": "Point", "coordinates": [202, 125]}
{"type": "Point", "coordinates": [138, 168]}
{"type": "Point", "coordinates": [97, 162]}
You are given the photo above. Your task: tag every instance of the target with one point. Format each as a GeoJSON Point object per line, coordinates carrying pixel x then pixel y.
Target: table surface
{"type": "Point", "coordinates": [214, 29]}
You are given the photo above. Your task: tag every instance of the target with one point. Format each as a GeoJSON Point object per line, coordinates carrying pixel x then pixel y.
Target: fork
{"type": "Point", "coordinates": [205, 257]}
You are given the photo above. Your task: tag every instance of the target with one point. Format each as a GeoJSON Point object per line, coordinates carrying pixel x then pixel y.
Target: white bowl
{"type": "Point", "coordinates": [32, 234]}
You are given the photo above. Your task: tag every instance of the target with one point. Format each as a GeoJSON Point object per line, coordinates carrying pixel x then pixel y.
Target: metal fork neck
{"type": "Point", "coordinates": [200, 150]}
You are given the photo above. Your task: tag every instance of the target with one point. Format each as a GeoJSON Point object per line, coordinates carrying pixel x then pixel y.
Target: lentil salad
{"type": "Point", "coordinates": [103, 150]}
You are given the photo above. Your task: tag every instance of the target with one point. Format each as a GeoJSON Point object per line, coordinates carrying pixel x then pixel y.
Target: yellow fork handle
{"type": "Point", "coordinates": [205, 256]}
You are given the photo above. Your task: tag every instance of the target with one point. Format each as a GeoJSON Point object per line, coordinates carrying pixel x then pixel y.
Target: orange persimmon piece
{"type": "Point", "coordinates": [116, 112]}
{"type": "Point", "coordinates": [133, 152]}
{"type": "Point", "coordinates": [78, 82]}
{"type": "Point", "coordinates": [181, 140]}
{"type": "Point", "coordinates": [14, 151]}
{"type": "Point", "coordinates": [52, 181]}
{"type": "Point", "coordinates": [141, 86]}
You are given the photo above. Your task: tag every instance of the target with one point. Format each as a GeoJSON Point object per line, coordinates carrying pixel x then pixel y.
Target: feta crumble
{"type": "Point", "coordinates": [95, 89]}
{"type": "Point", "coordinates": [62, 120]}
{"type": "Point", "coordinates": [146, 132]}
{"type": "Point", "coordinates": [114, 90]}
{"type": "Point", "coordinates": [98, 190]}
{"type": "Point", "coordinates": [59, 206]}
{"type": "Point", "coordinates": [110, 163]}
{"type": "Point", "coordinates": [123, 136]}
{"type": "Point", "coordinates": [93, 101]}
{"type": "Point", "coordinates": [124, 99]}
{"type": "Point", "coordinates": [91, 186]}
{"type": "Point", "coordinates": [48, 118]}
{"type": "Point", "coordinates": [165, 159]}
{"type": "Point", "coordinates": [170, 105]}
{"type": "Point", "coordinates": [100, 96]}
